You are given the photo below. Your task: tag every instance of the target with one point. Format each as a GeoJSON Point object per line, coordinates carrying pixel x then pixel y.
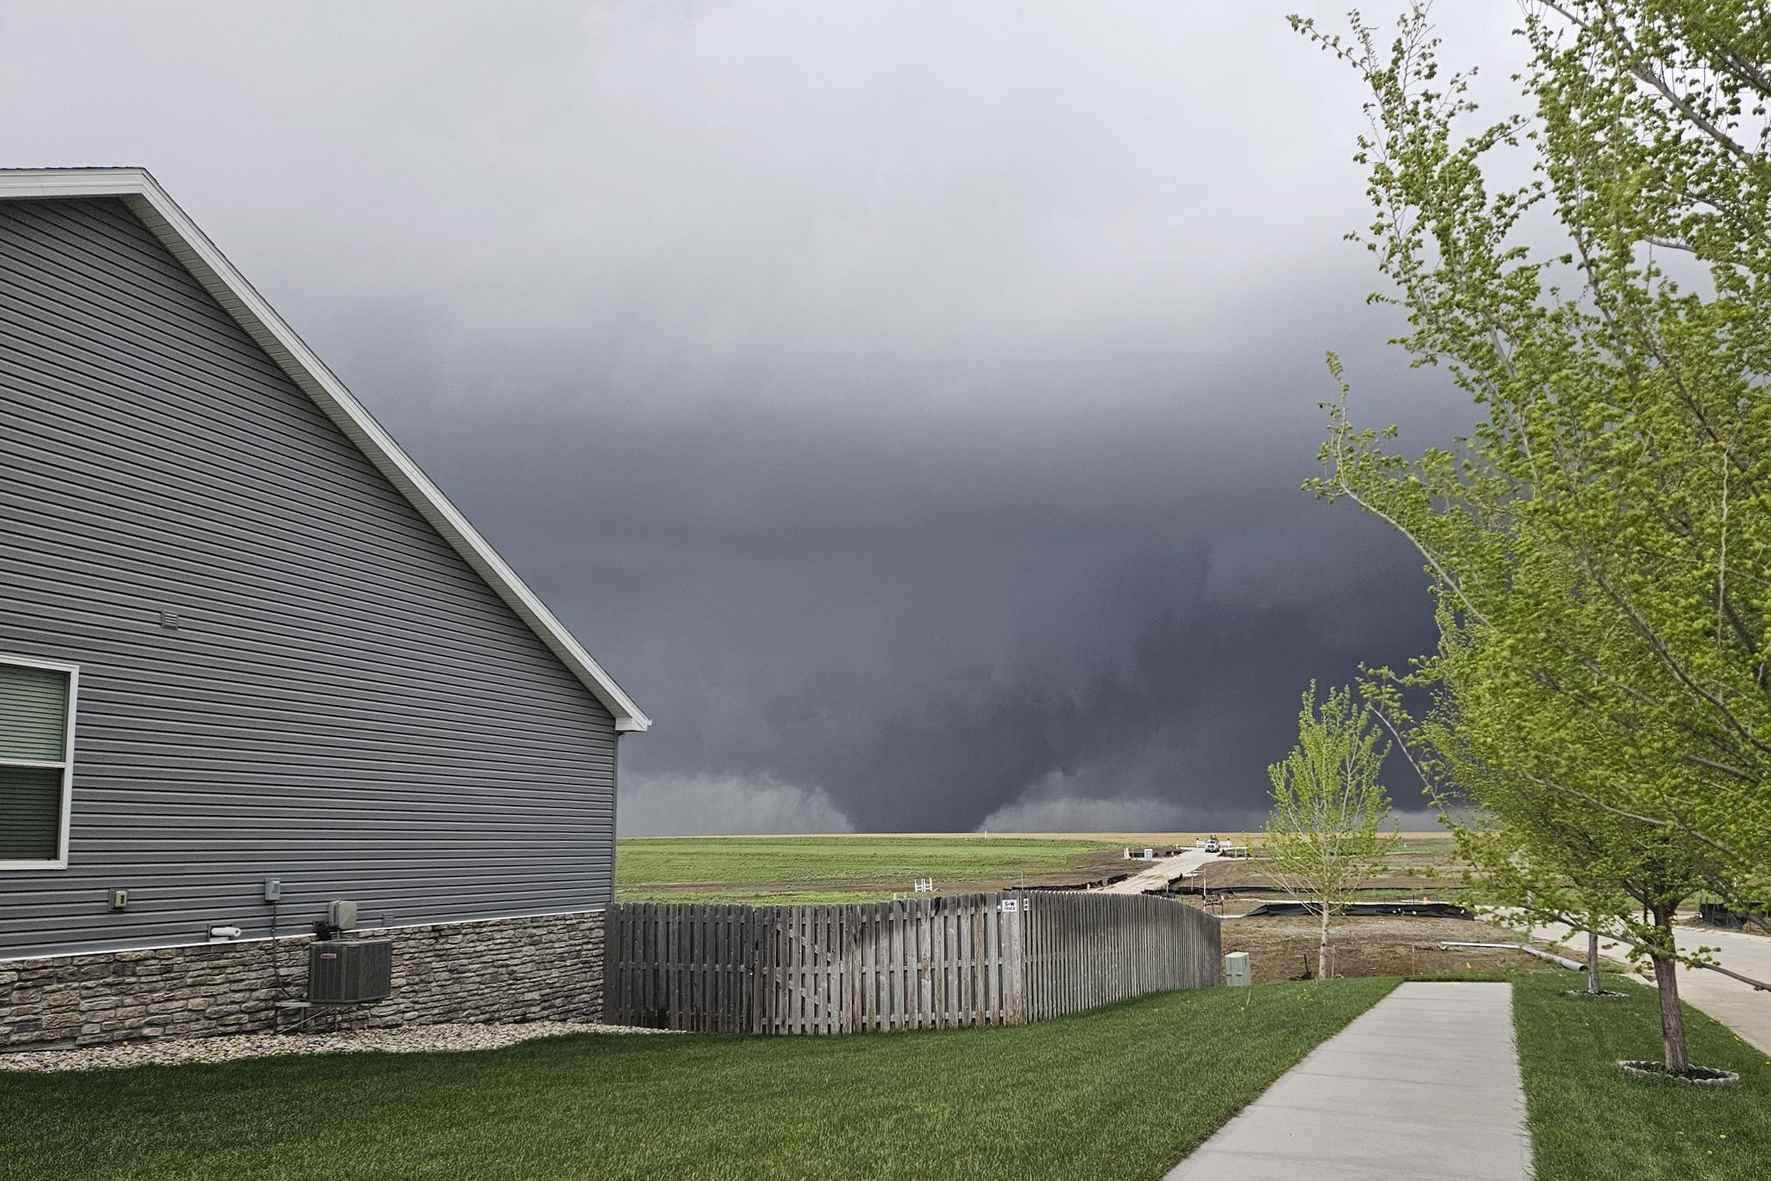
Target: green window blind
{"type": "Point", "coordinates": [30, 813]}
{"type": "Point", "coordinates": [33, 713]}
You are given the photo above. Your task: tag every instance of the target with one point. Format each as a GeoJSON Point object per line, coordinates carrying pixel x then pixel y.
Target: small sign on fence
{"type": "Point", "coordinates": [1009, 905]}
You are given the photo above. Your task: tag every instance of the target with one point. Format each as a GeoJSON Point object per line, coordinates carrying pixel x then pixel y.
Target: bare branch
{"type": "Point", "coordinates": [1669, 243]}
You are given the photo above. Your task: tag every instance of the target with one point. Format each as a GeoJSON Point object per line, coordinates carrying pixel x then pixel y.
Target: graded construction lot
{"type": "Point", "coordinates": [1423, 865]}
{"type": "Point", "coordinates": [1285, 948]}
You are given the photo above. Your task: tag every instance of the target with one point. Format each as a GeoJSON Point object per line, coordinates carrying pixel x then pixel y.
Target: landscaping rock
{"type": "Point", "coordinates": [417, 1039]}
{"type": "Point", "coordinates": [1697, 1076]}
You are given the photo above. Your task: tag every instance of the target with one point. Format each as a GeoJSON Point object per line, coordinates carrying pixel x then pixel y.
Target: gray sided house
{"type": "Point", "coordinates": [243, 639]}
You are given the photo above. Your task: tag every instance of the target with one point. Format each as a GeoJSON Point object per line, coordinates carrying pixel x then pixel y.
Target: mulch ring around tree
{"type": "Point", "coordinates": [1696, 1076]}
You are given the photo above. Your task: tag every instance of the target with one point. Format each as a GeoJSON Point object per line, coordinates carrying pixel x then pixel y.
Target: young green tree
{"type": "Point", "coordinates": [1325, 834]}
{"type": "Point", "coordinates": [1599, 547]}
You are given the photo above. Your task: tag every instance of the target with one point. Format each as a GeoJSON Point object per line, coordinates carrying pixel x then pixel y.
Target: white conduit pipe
{"type": "Point", "coordinates": [1559, 961]}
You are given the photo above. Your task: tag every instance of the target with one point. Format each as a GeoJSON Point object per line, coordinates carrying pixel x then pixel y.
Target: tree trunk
{"type": "Point", "coordinates": [1593, 963]}
{"type": "Point", "coordinates": [1322, 947]}
{"type": "Point", "coordinates": [1672, 1017]}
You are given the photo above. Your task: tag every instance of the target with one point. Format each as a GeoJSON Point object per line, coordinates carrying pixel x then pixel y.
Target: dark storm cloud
{"type": "Point", "coordinates": [907, 404]}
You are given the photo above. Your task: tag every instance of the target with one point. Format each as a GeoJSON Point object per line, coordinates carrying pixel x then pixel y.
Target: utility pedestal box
{"type": "Point", "coordinates": [1238, 972]}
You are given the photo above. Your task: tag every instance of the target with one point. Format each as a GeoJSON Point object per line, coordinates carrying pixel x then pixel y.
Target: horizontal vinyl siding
{"type": "Point", "coordinates": [344, 705]}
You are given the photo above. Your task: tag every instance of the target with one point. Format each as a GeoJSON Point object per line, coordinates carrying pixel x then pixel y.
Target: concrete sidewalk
{"type": "Point", "coordinates": [1423, 1084]}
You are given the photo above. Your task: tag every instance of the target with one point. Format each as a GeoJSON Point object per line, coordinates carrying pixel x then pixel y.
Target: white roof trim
{"type": "Point", "coordinates": [161, 214]}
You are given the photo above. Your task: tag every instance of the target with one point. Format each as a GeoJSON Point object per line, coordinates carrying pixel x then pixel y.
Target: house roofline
{"type": "Point", "coordinates": [205, 261]}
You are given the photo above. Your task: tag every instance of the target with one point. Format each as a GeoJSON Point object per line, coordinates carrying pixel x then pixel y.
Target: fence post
{"type": "Point", "coordinates": [1014, 963]}
{"type": "Point", "coordinates": [754, 957]}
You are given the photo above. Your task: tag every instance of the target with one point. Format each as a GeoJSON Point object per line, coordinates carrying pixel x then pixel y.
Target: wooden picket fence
{"type": "Point", "coordinates": [940, 962]}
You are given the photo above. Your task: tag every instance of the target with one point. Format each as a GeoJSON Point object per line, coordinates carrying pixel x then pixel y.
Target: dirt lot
{"type": "Point", "coordinates": [1280, 948]}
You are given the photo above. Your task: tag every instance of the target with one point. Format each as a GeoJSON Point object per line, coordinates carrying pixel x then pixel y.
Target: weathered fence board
{"type": "Point", "coordinates": [924, 963]}
{"type": "Point", "coordinates": [1089, 950]}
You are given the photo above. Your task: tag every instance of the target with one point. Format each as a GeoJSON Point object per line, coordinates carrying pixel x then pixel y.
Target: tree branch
{"type": "Point", "coordinates": [1631, 63]}
{"type": "Point", "coordinates": [1439, 569]}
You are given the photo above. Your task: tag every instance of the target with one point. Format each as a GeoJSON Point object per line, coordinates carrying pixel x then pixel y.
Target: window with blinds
{"type": "Point", "coordinates": [36, 761]}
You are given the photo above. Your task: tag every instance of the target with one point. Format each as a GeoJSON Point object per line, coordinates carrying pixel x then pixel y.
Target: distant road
{"type": "Point", "coordinates": [1158, 873]}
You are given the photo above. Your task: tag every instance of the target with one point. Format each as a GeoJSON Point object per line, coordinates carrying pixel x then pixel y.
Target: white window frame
{"type": "Point", "coordinates": [66, 763]}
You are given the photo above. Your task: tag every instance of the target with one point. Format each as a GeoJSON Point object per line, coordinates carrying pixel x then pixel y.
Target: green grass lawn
{"type": "Point", "coordinates": [1590, 1121]}
{"type": "Point", "coordinates": [831, 869]}
{"type": "Point", "coordinates": [1065, 1099]}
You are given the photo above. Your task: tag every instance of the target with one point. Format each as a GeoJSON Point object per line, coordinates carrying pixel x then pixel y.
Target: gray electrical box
{"type": "Point", "coordinates": [349, 971]}
{"type": "Point", "coordinates": [343, 915]}
{"type": "Point", "coordinates": [273, 889]}
{"type": "Point", "coordinates": [1238, 972]}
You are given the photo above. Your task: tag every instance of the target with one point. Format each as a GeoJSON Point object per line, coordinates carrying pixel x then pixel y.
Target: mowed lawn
{"type": "Point", "coordinates": [1119, 1094]}
{"type": "Point", "coordinates": [1590, 1122]}
{"type": "Point", "coordinates": [836, 869]}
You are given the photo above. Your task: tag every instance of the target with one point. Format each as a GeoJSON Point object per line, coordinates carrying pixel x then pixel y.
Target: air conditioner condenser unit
{"type": "Point", "coordinates": [349, 971]}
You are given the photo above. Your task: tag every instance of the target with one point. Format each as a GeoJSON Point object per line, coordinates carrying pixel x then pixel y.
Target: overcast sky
{"type": "Point", "coordinates": [905, 402]}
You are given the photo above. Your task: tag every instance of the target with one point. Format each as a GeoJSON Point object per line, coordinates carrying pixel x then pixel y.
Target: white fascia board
{"type": "Point", "coordinates": [193, 249]}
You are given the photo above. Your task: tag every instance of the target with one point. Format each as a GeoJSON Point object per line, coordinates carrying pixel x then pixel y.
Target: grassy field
{"type": "Point", "coordinates": [1589, 1122]}
{"type": "Point", "coordinates": [812, 869]}
{"type": "Point", "coordinates": [846, 869]}
{"type": "Point", "coordinates": [1028, 1103]}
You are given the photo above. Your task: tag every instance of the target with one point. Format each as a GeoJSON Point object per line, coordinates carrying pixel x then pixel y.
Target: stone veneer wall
{"type": "Point", "coordinates": [491, 971]}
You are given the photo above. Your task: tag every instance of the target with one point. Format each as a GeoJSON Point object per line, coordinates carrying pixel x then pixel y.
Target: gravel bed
{"type": "Point", "coordinates": [412, 1039]}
